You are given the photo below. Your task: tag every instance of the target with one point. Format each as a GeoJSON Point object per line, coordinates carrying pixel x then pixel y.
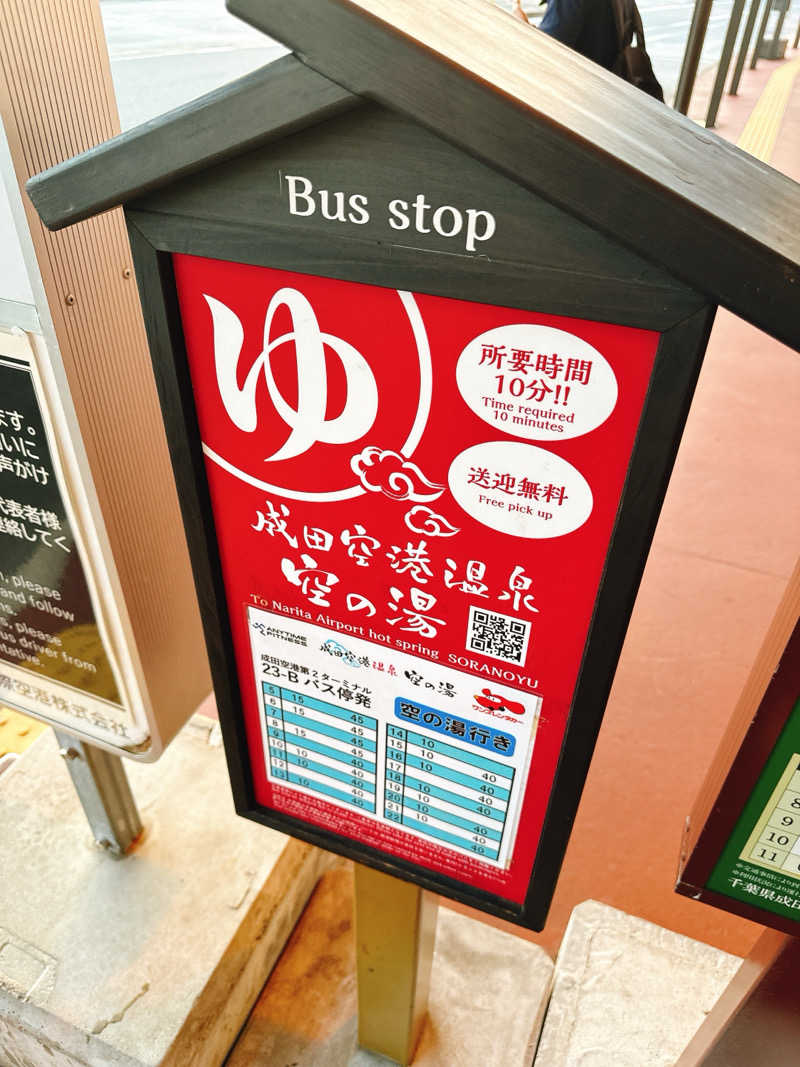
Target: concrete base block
{"type": "Point", "coordinates": [488, 994]}
{"type": "Point", "coordinates": [627, 993]}
{"type": "Point", "coordinates": [153, 960]}
{"type": "Point", "coordinates": [773, 49]}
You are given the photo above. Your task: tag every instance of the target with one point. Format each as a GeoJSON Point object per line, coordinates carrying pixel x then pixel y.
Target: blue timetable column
{"type": "Point", "coordinates": [273, 710]}
{"type": "Point", "coordinates": [455, 796]}
{"type": "Point", "coordinates": [395, 773]}
{"type": "Point", "coordinates": [328, 749]}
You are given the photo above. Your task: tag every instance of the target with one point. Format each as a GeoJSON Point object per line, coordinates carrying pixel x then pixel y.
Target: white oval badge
{"type": "Point", "coordinates": [520, 489]}
{"type": "Point", "coordinates": [536, 382]}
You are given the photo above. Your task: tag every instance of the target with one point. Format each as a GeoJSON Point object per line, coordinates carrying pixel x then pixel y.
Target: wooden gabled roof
{"type": "Point", "coordinates": [279, 99]}
{"type": "Point", "coordinates": [718, 220]}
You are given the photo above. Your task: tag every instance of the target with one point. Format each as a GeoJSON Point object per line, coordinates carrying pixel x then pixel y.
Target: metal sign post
{"type": "Point", "coordinates": [105, 795]}
{"type": "Point", "coordinates": [395, 933]}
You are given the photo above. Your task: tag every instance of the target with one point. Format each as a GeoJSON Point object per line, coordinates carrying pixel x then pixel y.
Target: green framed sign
{"type": "Point", "coordinates": [742, 848]}
{"type": "Point", "coordinates": [761, 862]}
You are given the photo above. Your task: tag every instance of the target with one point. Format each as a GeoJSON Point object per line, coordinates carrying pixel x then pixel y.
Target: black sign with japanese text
{"type": "Point", "coordinates": [52, 659]}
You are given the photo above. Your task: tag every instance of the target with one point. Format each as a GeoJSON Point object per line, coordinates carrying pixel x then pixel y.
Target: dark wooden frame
{"type": "Point", "coordinates": [684, 321]}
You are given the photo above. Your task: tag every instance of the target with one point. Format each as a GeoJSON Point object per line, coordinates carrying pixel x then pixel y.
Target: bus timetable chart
{"type": "Point", "coordinates": [458, 798]}
{"type": "Point", "coordinates": [419, 749]}
{"type": "Point", "coordinates": [321, 747]}
{"type": "Point", "coordinates": [454, 796]}
{"type": "Point", "coordinates": [775, 841]}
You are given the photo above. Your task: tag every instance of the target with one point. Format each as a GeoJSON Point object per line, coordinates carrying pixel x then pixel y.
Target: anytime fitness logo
{"type": "Point", "coordinates": [307, 422]}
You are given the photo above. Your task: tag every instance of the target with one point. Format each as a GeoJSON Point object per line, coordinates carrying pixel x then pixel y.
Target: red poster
{"type": "Point", "coordinates": [413, 498]}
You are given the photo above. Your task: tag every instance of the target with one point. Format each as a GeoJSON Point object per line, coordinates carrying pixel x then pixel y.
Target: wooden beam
{"type": "Point", "coordinates": [721, 221]}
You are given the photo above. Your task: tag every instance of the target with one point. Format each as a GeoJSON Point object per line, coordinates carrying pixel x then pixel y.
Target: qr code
{"type": "Point", "coordinates": [498, 636]}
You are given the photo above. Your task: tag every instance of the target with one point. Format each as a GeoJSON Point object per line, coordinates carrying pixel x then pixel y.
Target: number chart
{"type": "Point", "coordinates": [460, 798]}
{"type": "Point", "coordinates": [775, 840]}
{"type": "Point", "coordinates": [321, 747]}
{"type": "Point", "coordinates": [418, 749]}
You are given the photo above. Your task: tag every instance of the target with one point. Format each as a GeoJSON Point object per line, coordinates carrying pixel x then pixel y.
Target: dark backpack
{"type": "Point", "coordinates": [632, 62]}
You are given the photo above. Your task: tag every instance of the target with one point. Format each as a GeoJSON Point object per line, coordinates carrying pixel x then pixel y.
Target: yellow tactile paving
{"type": "Point", "coordinates": [17, 731]}
{"type": "Point", "coordinates": [761, 131]}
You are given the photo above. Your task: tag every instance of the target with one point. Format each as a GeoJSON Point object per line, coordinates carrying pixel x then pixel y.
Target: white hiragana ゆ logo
{"type": "Point", "coordinates": [307, 422]}
{"type": "Point", "coordinates": [319, 357]}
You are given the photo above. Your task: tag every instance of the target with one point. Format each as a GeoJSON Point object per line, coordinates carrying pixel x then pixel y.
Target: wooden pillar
{"type": "Point", "coordinates": [56, 100]}
{"type": "Point", "coordinates": [756, 1020]}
